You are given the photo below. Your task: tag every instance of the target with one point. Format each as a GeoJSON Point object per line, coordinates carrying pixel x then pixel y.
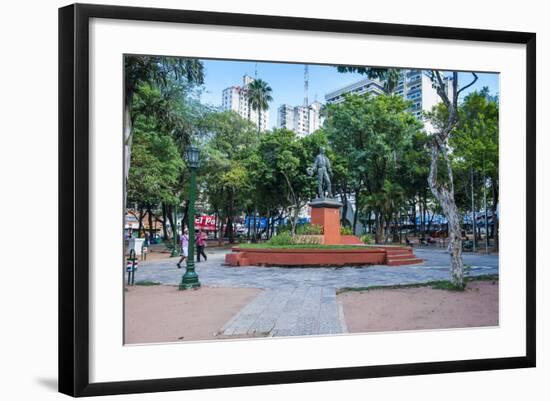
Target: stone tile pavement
{"type": "Point", "coordinates": [302, 301]}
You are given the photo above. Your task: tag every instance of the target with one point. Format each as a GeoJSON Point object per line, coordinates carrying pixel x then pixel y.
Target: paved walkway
{"type": "Point", "coordinates": [302, 301]}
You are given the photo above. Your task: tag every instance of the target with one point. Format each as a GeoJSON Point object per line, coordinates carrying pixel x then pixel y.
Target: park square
{"type": "Point", "coordinates": [272, 199]}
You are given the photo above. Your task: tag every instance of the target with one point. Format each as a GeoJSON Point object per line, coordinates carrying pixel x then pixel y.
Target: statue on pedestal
{"type": "Point", "coordinates": [321, 165]}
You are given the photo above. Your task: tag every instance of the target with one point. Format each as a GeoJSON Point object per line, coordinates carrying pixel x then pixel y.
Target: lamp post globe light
{"type": "Point", "coordinates": [190, 279]}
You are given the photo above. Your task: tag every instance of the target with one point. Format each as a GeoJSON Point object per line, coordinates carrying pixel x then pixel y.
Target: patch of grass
{"type": "Point", "coordinates": [447, 285]}
{"type": "Point", "coordinates": [146, 283]}
{"type": "Point", "coordinates": [296, 246]}
{"type": "Point", "coordinates": [438, 285]}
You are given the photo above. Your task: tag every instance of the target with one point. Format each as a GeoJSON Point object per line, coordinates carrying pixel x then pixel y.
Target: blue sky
{"type": "Point", "coordinates": [287, 81]}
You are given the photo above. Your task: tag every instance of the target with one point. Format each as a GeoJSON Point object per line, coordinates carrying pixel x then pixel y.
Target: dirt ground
{"type": "Point", "coordinates": [421, 308]}
{"type": "Point", "coordinates": [162, 313]}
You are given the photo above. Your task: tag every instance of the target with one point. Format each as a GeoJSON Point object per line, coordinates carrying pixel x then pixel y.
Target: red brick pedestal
{"type": "Point", "coordinates": [326, 213]}
{"type": "Point", "coordinates": [329, 218]}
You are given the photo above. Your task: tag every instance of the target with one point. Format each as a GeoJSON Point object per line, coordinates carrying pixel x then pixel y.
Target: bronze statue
{"type": "Point", "coordinates": [321, 164]}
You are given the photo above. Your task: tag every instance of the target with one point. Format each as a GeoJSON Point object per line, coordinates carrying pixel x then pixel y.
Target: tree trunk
{"type": "Point", "coordinates": [344, 197]}
{"type": "Point", "coordinates": [377, 227]}
{"type": "Point", "coordinates": [219, 228]}
{"type": "Point", "coordinates": [127, 137]}
{"type": "Point", "coordinates": [150, 218]}
{"type": "Point", "coordinates": [169, 215]}
{"type": "Point", "coordinates": [248, 225]}
{"type": "Point", "coordinates": [140, 223]}
{"type": "Point", "coordinates": [444, 193]}
{"type": "Point", "coordinates": [267, 224]}
{"type": "Point", "coordinates": [230, 229]}
{"type": "Point", "coordinates": [356, 212]}
{"type": "Point", "coordinates": [230, 217]}
{"type": "Point", "coordinates": [164, 220]}
{"type": "Point", "coordinates": [255, 227]}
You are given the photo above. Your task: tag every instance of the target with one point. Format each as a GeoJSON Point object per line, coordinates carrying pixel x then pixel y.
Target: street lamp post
{"type": "Point", "coordinates": [190, 279]}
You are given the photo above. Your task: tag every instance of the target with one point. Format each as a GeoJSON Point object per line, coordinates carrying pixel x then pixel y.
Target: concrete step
{"type": "Point", "coordinates": [401, 256]}
{"type": "Point", "coordinates": [400, 262]}
{"type": "Point", "coordinates": [400, 250]}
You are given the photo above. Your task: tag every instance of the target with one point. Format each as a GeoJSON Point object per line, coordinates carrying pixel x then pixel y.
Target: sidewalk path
{"type": "Point", "coordinates": [302, 301]}
{"type": "Point", "coordinates": [214, 274]}
{"type": "Point", "coordinates": [289, 311]}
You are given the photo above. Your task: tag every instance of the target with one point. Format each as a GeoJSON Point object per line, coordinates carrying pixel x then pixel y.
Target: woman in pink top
{"type": "Point", "coordinates": [201, 244]}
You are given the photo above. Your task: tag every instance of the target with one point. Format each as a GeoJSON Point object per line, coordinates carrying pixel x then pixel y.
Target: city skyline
{"type": "Point", "coordinates": [287, 81]}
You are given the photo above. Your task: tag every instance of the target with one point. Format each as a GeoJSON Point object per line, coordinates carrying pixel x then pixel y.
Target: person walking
{"type": "Point", "coordinates": [201, 244]}
{"type": "Point", "coordinates": [184, 242]}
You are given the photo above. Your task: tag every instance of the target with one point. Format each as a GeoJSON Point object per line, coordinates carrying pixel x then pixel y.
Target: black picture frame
{"type": "Point", "coordinates": [74, 200]}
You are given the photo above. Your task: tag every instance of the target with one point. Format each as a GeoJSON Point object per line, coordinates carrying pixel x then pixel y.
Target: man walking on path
{"type": "Point", "coordinates": [201, 244]}
{"type": "Point", "coordinates": [184, 247]}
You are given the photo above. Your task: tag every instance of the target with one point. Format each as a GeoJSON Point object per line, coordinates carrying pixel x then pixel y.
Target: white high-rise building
{"type": "Point", "coordinates": [303, 120]}
{"type": "Point", "coordinates": [285, 117]}
{"type": "Point", "coordinates": [235, 98]}
{"type": "Point", "coordinates": [417, 88]}
{"type": "Point", "coordinates": [413, 85]}
{"type": "Point", "coordinates": [315, 118]}
{"type": "Point", "coordinates": [361, 87]}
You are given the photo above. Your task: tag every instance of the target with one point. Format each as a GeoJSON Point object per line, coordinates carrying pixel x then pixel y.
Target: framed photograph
{"type": "Point", "coordinates": [252, 199]}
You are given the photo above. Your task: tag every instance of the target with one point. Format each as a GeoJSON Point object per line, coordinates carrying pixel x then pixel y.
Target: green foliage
{"type": "Point", "coordinates": [259, 96]}
{"type": "Point", "coordinates": [346, 231]}
{"type": "Point", "coordinates": [161, 71]}
{"type": "Point", "coordinates": [146, 283]}
{"type": "Point", "coordinates": [284, 238]}
{"type": "Point", "coordinates": [367, 239]}
{"type": "Point", "coordinates": [309, 229]}
{"type": "Point", "coordinates": [156, 167]}
{"type": "Point", "coordinates": [439, 284]}
{"type": "Point", "coordinates": [225, 175]}
{"type": "Point", "coordinates": [278, 172]}
{"type": "Point", "coordinates": [269, 245]}
{"type": "Point", "coordinates": [374, 136]}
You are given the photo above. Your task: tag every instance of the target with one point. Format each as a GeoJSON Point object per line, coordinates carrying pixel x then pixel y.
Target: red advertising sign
{"type": "Point", "coordinates": [207, 223]}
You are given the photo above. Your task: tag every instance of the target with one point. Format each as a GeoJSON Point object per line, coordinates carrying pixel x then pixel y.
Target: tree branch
{"type": "Point", "coordinates": [470, 84]}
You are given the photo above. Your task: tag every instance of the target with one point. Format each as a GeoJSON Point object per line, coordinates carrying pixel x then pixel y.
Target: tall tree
{"type": "Point", "coordinates": [475, 146]}
{"type": "Point", "coordinates": [440, 178]}
{"type": "Point", "coordinates": [280, 169]}
{"type": "Point", "coordinates": [226, 179]}
{"type": "Point", "coordinates": [157, 71]}
{"type": "Point", "coordinates": [373, 133]}
{"type": "Point", "coordinates": [259, 96]}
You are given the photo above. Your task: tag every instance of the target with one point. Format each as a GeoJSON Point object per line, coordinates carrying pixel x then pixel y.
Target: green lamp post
{"type": "Point", "coordinates": [190, 279]}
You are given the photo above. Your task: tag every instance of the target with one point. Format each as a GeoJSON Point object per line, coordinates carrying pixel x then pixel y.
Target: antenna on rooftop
{"type": "Point", "coordinates": [306, 84]}
{"type": "Point", "coordinates": [256, 71]}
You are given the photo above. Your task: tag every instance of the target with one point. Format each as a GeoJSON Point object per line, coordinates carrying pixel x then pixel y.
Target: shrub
{"type": "Point", "coordinates": [345, 231]}
{"type": "Point", "coordinates": [367, 238]}
{"type": "Point", "coordinates": [283, 238]}
{"type": "Point", "coordinates": [309, 229]}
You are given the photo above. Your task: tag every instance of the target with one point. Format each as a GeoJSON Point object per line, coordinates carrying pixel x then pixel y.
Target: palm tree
{"type": "Point", "coordinates": [259, 96]}
{"type": "Point", "coordinates": [157, 71]}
